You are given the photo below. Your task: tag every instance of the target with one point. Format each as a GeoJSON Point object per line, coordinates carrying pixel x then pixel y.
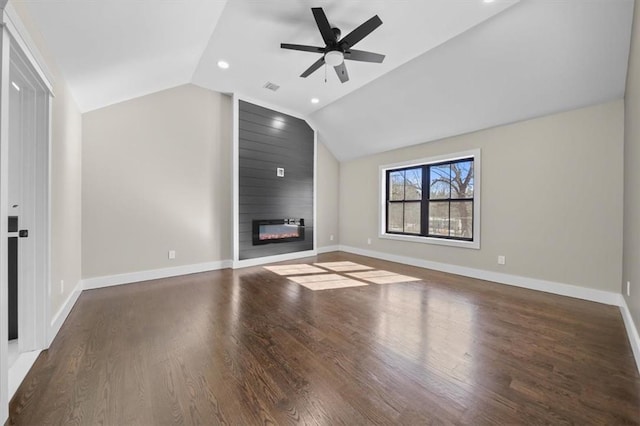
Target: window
{"type": "Point", "coordinates": [405, 199]}
{"type": "Point", "coordinates": [434, 200]}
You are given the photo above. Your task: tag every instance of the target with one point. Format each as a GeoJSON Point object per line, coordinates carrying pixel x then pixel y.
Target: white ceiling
{"type": "Point", "coordinates": [537, 58]}
{"type": "Point", "coordinates": [113, 50]}
{"type": "Point", "coordinates": [249, 34]}
{"type": "Point", "coordinates": [452, 66]}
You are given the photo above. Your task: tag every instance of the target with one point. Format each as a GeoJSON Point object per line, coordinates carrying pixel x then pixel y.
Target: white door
{"type": "Point", "coordinates": [21, 196]}
{"type": "Point", "coordinates": [14, 201]}
{"type": "Point", "coordinates": [25, 147]}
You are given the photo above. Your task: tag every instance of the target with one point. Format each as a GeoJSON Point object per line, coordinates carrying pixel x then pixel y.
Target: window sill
{"type": "Point", "coordinates": [435, 241]}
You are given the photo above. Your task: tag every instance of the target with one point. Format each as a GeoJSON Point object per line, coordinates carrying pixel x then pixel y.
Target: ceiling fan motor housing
{"type": "Point", "coordinates": [337, 32]}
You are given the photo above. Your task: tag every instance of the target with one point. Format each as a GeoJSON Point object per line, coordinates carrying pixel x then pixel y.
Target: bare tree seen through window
{"type": "Point", "coordinates": [405, 197]}
{"type": "Point", "coordinates": [446, 204]}
{"type": "Point", "coordinates": [451, 199]}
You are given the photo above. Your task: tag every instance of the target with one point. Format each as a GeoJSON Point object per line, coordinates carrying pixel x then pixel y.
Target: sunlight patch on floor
{"type": "Point", "coordinates": [326, 282]}
{"type": "Point", "coordinates": [343, 266]}
{"type": "Point", "coordinates": [382, 277]}
{"type": "Point", "coordinates": [296, 269]}
{"type": "Point", "coordinates": [317, 276]}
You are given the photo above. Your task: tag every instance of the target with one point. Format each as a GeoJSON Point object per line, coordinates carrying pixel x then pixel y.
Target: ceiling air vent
{"type": "Point", "coordinates": [271, 86]}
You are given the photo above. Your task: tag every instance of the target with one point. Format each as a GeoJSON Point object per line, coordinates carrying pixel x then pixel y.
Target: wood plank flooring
{"type": "Point", "coordinates": [250, 347]}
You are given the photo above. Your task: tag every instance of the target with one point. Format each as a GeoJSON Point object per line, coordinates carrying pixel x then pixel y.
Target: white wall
{"type": "Point", "coordinates": [66, 190]}
{"type": "Point", "coordinates": [156, 177]}
{"type": "Point", "coordinates": [327, 199]}
{"type": "Point", "coordinates": [551, 199]}
{"type": "Point", "coordinates": [631, 271]}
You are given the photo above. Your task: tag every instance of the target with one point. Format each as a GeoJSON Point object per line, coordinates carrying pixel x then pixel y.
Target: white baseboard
{"type": "Point", "coordinates": [153, 274]}
{"type": "Point", "coordinates": [593, 295]}
{"type": "Point", "coordinates": [328, 249]}
{"type": "Point", "coordinates": [272, 259]}
{"type": "Point", "coordinates": [605, 297]}
{"type": "Point", "coordinates": [632, 331]}
{"type": "Point", "coordinates": [19, 370]}
{"type": "Point", "coordinates": [63, 313]}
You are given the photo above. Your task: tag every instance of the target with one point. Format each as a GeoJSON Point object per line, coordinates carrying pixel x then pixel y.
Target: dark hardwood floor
{"type": "Point", "coordinates": [250, 347]}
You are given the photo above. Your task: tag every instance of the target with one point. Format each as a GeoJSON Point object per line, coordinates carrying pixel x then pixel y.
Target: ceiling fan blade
{"type": "Point", "coordinates": [323, 25]}
{"type": "Point", "coordinates": [362, 56]}
{"type": "Point", "coordinates": [341, 70]}
{"type": "Point", "coordinates": [302, 47]}
{"type": "Point", "coordinates": [317, 64]}
{"type": "Point", "coordinates": [361, 32]}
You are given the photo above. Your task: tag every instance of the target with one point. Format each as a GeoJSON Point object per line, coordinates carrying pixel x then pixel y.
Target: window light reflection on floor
{"type": "Point", "coordinates": [316, 277]}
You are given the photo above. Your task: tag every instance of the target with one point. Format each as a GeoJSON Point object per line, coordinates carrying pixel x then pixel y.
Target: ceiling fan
{"type": "Point", "coordinates": [338, 49]}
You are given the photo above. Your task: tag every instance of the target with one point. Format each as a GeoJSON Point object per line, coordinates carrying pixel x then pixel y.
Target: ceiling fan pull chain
{"type": "Point", "coordinates": [325, 73]}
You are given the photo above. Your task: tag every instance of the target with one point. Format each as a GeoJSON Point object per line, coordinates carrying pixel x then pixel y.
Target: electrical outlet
{"type": "Point", "coordinates": [172, 254]}
{"type": "Point", "coordinates": [330, 237]}
{"type": "Point", "coordinates": [628, 288]}
{"type": "Point", "coordinates": [61, 286]}
{"type": "Point", "coordinates": [368, 240]}
{"type": "Point", "coordinates": [502, 260]}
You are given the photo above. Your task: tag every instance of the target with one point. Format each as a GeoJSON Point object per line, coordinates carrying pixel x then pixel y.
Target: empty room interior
{"type": "Point", "coordinates": [319, 212]}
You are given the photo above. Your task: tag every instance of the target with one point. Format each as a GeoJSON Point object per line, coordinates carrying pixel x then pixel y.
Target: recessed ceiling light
{"type": "Point", "coordinates": [278, 122]}
{"type": "Point", "coordinates": [223, 64]}
{"type": "Point", "coordinates": [488, 1]}
{"type": "Point", "coordinates": [315, 100]}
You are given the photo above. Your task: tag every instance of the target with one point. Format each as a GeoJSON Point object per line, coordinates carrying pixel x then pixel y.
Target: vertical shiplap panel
{"type": "Point", "coordinates": [269, 140]}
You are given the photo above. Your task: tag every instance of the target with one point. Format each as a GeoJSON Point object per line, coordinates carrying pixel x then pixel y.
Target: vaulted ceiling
{"type": "Point", "coordinates": [451, 66]}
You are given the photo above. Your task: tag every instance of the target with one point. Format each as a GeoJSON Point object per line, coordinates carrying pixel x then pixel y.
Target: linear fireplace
{"type": "Point", "coordinates": [267, 231]}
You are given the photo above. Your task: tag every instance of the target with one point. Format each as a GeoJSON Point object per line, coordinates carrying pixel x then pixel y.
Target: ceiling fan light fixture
{"type": "Point", "coordinates": [334, 58]}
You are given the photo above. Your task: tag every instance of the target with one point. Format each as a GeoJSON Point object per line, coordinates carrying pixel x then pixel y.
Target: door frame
{"type": "Point", "coordinates": [15, 38]}
{"type": "Point", "coordinates": [34, 215]}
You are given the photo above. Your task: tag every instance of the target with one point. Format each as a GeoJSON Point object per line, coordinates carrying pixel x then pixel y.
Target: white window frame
{"type": "Point", "coordinates": [382, 216]}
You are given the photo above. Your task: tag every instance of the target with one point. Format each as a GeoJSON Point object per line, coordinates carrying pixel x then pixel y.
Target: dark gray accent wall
{"type": "Point", "coordinates": [268, 140]}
